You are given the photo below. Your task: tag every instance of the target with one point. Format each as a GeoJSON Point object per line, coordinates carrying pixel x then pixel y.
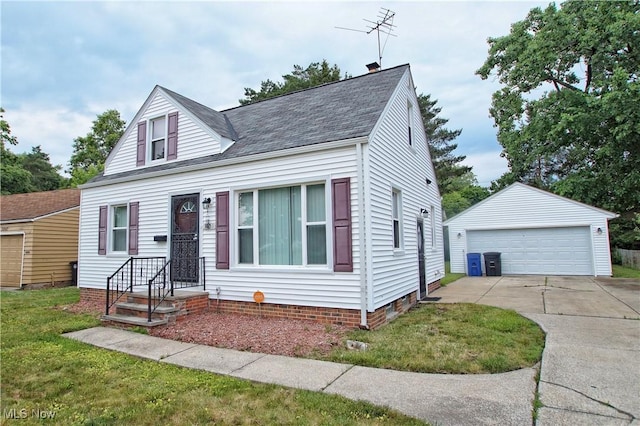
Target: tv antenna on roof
{"type": "Point", "coordinates": [384, 25]}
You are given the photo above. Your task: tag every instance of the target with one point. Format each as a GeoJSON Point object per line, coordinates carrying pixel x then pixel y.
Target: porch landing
{"type": "Point", "coordinates": [134, 311]}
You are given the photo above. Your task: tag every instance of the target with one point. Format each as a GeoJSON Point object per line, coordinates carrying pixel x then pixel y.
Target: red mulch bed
{"type": "Point", "coordinates": [276, 336]}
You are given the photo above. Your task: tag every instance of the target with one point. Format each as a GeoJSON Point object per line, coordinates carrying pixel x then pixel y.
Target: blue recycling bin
{"type": "Point", "coordinates": [474, 264]}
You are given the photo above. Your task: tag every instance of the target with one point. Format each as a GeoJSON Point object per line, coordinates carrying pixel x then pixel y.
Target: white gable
{"type": "Point", "coordinates": [521, 205]}
{"type": "Point", "coordinates": [545, 220]}
{"type": "Point", "coordinates": [195, 139]}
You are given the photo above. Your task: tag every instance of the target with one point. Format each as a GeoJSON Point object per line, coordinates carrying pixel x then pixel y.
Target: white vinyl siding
{"type": "Point", "coordinates": [193, 141]}
{"type": "Point", "coordinates": [279, 284]}
{"type": "Point", "coordinates": [523, 207]}
{"type": "Point", "coordinates": [393, 163]}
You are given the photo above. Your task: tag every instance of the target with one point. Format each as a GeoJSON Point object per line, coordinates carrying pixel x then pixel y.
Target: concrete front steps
{"type": "Point", "coordinates": [134, 311]}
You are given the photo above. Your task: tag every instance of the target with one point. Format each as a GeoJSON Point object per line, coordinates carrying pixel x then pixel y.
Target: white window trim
{"type": "Point", "coordinates": [304, 267]}
{"type": "Point", "coordinates": [150, 140]}
{"type": "Point", "coordinates": [400, 248]}
{"type": "Point", "coordinates": [111, 217]}
{"type": "Point", "coordinates": [410, 122]}
{"type": "Point", "coordinates": [432, 216]}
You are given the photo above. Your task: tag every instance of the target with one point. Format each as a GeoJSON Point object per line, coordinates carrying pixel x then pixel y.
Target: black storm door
{"type": "Point", "coordinates": [423, 280]}
{"type": "Point", "coordinates": [184, 238]}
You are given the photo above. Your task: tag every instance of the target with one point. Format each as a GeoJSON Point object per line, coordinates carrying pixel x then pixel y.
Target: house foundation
{"type": "Point", "coordinates": [324, 315]}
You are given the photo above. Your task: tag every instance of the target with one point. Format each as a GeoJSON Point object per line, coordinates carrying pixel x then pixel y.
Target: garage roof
{"type": "Point", "coordinates": [34, 205]}
{"type": "Point", "coordinates": [518, 185]}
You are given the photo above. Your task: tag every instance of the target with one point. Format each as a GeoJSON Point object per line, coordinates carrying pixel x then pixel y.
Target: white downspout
{"type": "Point", "coordinates": [361, 237]}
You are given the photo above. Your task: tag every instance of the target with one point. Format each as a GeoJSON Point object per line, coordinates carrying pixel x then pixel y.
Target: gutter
{"type": "Point", "coordinates": [362, 238]}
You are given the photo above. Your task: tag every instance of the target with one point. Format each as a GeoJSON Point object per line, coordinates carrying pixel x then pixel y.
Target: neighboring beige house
{"type": "Point", "coordinates": [38, 237]}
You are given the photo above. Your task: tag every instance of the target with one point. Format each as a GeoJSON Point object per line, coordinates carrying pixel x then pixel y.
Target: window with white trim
{"type": "Point", "coordinates": [158, 137]}
{"type": "Point", "coordinates": [432, 215]}
{"type": "Point", "coordinates": [396, 214]}
{"type": "Point", "coordinates": [410, 121]}
{"type": "Point", "coordinates": [119, 228]}
{"type": "Point", "coordinates": [290, 227]}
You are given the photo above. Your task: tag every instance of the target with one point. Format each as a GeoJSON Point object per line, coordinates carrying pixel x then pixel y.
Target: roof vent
{"type": "Point", "coordinates": [373, 67]}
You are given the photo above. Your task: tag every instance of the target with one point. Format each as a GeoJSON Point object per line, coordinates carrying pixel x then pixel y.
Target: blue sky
{"type": "Point", "coordinates": [63, 63]}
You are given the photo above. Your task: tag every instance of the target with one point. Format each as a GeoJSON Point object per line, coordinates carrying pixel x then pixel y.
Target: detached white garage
{"type": "Point", "coordinates": [535, 231]}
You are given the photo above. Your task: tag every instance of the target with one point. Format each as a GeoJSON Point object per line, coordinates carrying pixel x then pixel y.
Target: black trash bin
{"type": "Point", "coordinates": [74, 272]}
{"type": "Point", "coordinates": [492, 264]}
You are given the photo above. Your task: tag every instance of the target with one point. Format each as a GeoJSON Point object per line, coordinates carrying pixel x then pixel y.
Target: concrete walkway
{"type": "Point", "coordinates": [491, 399]}
{"type": "Point", "coordinates": [589, 375]}
{"type": "Point", "coordinates": [590, 372]}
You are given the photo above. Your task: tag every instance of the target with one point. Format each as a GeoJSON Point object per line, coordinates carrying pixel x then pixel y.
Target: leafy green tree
{"type": "Point", "coordinates": [30, 172]}
{"type": "Point", "coordinates": [446, 164]}
{"type": "Point", "coordinates": [13, 178]}
{"type": "Point", "coordinates": [91, 151]}
{"type": "Point", "coordinates": [315, 74]}
{"type": "Point", "coordinates": [44, 175]}
{"type": "Point", "coordinates": [5, 132]}
{"type": "Point", "coordinates": [567, 115]}
{"type": "Point", "coordinates": [463, 192]}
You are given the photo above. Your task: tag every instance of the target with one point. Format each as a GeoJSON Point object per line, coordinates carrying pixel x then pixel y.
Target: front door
{"type": "Point", "coordinates": [184, 238]}
{"type": "Point", "coordinates": [421, 273]}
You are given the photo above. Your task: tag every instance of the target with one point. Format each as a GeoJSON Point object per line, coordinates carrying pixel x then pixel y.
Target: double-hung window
{"type": "Point", "coordinates": [432, 215]}
{"type": "Point", "coordinates": [119, 227]}
{"type": "Point", "coordinates": [396, 211]}
{"type": "Point", "coordinates": [282, 226]}
{"type": "Point", "coordinates": [410, 122]}
{"type": "Point", "coordinates": [158, 137]}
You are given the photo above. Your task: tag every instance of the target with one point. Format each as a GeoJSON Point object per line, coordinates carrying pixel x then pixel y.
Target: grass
{"type": "Point", "coordinates": [620, 271]}
{"type": "Point", "coordinates": [449, 338]}
{"type": "Point", "coordinates": [83, 385]}
{"type": "Point", "coordinates": [449, 276]}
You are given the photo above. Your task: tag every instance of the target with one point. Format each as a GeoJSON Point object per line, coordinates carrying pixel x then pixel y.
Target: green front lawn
{"type": "Point", "coordinates": [449, 338]}
{"type": "Point", "coordinates": [82, 384]}
{"type": "Point", "coordinates": [79, 384]}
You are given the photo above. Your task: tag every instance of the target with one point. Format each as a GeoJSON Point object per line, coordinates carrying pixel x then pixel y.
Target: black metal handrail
{"type": "Point", "coordinates": [166, 280]}
{"type": "Point", "coordinates": [132, 273]}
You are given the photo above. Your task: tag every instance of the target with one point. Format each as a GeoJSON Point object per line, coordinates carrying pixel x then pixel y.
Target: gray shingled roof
{"type": "Point", "coordinates": [331, 112]}
{"type": "Point", "coordinates": [212, 118]}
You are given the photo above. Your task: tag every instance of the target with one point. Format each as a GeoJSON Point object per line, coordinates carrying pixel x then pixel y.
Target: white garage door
{"type": "Point", "coordinates": [548, 251]}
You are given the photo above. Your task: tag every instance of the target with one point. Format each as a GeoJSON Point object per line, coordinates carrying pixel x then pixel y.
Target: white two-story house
{"type": "Point", "coordinates": [321, 203]}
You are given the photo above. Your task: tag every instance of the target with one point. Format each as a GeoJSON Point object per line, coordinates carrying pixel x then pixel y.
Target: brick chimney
{"type": "Point", "coordinates": [373, 67]}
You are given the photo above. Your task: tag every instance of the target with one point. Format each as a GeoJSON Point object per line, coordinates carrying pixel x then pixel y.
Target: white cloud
{"type": "Point", "coordinates": [487, 166]}
{"type": "Point", "coordinates": [64, 63]}
{"type": "Point", "coordinates": [54, 128]}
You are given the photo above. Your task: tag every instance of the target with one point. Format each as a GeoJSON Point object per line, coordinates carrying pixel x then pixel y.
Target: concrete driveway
{"type": "Point", "coordinates": [590, 372]}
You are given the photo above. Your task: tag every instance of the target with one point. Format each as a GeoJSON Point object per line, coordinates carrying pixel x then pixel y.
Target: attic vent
{"type": "Point", "coordinates": [373, 67]}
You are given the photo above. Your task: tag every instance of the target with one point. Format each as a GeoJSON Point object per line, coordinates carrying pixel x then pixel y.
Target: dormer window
{"type": "Point", "coordinates": [158, 137]}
